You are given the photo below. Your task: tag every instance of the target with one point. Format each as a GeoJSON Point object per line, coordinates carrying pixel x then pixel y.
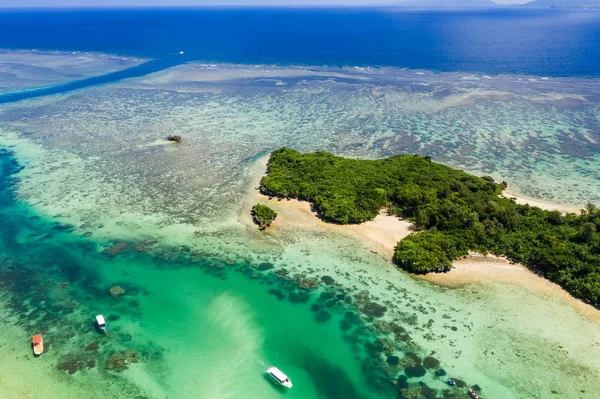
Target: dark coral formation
{"type": "Point", "coordinates": [299, 297]}
{"type": "Point", "coordinates": [120, 361]}
{"type": "Point", "coordinates": [323, 316]}
{"type": "Point", "coordinates": [440, 372]}
{"type": "Point", "coordinates": [116, 249]}
{"type": "Point", "coordinates": [278, 293]}
{"type": "Point", "coordinates": [117, 290]}
{"type": "Point", "coordinates": [393, 360]}
{"type": "Point", "coordinates": [307, 283]}
{"type": "Point", "coordinates": [328, 280]}
{"type": "Point", "coordinates": [415, 371]}
{"type": "Point", "coordinates": [72, 364]}
{"type": "Point", "coordinates": [431, 362]}
{"type": "Point", "coordinates": [265, 266]}
{"type": "Point", "coordinates": [93, 346]}
{"type": "Point", "coordinates": [367, 307]}
{"type": "Point", "coordinates": [144, 246]}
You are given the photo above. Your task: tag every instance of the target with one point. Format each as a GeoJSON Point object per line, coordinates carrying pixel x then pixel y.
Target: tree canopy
{"type": "Point", "coordinates": [263, 216]}
{"type": "Point", "coordinates": [453, 212]}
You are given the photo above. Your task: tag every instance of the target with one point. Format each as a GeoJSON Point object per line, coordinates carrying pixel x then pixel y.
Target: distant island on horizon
{"type": "Point", "coordinates": [489, 3]}
{"type": "Point", "coordinates": [576, 4]}
{"type": "Point", "coordinates": [450, 3]}
{"type": "Point", "coordinates": [562, 4]}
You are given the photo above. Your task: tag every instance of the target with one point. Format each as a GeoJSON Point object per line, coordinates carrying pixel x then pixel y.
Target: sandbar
{"type": "Point", "coordinates": [546, 205]}
{"type": "Point", "coordinates": [380, 234]}
{"type": "Point", "coordinates": [383, 233]}
{"type": "Point", "coordinates": [481, 269]}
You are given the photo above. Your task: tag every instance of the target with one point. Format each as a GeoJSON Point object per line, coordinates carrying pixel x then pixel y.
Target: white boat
{"type": "Point", "coordinates": [100, 322]}
{"type": "Point", "coordinates": [278, 376]}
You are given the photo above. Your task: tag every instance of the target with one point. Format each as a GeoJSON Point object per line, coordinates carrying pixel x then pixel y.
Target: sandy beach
{"type": "Point", "coordinates": [480, 269]}
{"type": "Point", "coordinates": [546, 205]}
{"type": "Point", "coordinates": [383, 233]}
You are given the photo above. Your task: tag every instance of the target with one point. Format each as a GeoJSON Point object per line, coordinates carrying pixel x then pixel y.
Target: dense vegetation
{"type": "Point", "coordinates": [263, 216]}
{"type": "Point", "coordinates": [453, 212]}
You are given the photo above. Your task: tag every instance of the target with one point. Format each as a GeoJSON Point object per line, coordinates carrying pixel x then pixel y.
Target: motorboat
{"type": "Point", "coordinates": [38, 344]}
{"type": "Point", "coordinates": [278, 376]}
{"type": "Point", "coordinates": [100, 322]}
{"type": "Point", "coordinates": [473, 393]}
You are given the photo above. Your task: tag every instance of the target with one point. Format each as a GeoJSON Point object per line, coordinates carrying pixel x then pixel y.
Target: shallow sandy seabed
{"type": "Point", "coordinates": [27, 69]}
{"type": "Point", "coordinates": [481, 284]}
{"type": "Point", "coordinates": [480, 269]}
{"type": "Point", "coordinates": [27, 376]}
{"type": "Point", "coordinates": [546, 205]}
{"type": "Point", "coordinates": [92, 161]}
{"type": "Point", "coordinates": [541, 150]}
{"type": "Point", "coordinates": [383, 233]}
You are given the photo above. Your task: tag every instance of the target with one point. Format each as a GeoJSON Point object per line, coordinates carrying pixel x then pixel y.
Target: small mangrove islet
{"type": "Point", "coordinates": [263, 216]}
{"type": "Point", "coordinates": [174, 138]}
{"type": "Point", "coordinates": [454, 213]}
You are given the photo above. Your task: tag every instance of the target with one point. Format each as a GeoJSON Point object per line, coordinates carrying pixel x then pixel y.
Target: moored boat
{"type": "Point", "coordinates": [473, 393]}
{"type": "Point", "coordinates": [278, 376]}
{"type": "Point", "coordinates": [100, 322]}
{"type": "Point", "coordinates": [38, 344]}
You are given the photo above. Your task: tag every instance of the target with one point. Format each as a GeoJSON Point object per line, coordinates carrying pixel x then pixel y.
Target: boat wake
{"type": "Point", "coordinates": [232, 320]}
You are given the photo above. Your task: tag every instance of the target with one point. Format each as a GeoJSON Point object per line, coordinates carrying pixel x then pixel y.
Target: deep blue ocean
{"type": "Point", "coordinates": [502, 41]}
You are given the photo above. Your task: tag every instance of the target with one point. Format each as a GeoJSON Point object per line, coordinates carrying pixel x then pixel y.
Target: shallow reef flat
{"type": "Point", "coordinates": [100, 194]}
{"type": "Point", "coordinates": [541, 137]}
{"type": "Point", "coordinates": [29, 69]}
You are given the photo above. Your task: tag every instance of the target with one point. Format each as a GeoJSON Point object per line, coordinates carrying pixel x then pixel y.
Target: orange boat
{"type": "Point", "coordinates": [38, 344]}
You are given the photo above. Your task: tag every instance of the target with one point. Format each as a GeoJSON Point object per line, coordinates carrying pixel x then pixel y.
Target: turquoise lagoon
{"type": "Point", "coordinates": [92, 197]}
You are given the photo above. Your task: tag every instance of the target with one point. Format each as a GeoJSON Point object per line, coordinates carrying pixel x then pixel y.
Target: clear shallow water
{"type": "Point", "coordinates": [200, 327]}
{"type": "Point", "coordinates": [27, 70]}
{"type": "Point", "coordinates": [95, 171]}
{"type": "Point", "coordinates": [209, 325]}
{"type": "Point", "coordinates": [541, 136]}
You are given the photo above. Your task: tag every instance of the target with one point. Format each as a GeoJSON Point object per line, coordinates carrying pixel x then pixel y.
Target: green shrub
{"type": "Point", "coordinates": [453, 211]}
{"type": "Point", "coordinates": [263, 216]}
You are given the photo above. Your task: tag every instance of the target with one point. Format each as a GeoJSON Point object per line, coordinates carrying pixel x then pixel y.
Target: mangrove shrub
{"type": "Point", "coordinates": [454, 212]}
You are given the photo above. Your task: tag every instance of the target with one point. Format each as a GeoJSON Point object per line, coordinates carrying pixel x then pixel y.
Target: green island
{"type": "Point", "coordinates": [263, 216]}
{"type": "Point", "coordinates": [453, 212]}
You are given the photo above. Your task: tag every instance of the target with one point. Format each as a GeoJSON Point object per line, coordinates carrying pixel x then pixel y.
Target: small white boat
{"type": "Point", "coordinates": [181, 53]}
{"type": "Point", "coordinates": [100, 322]}
{"type": "Point", "coordinates": [280, 378]}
